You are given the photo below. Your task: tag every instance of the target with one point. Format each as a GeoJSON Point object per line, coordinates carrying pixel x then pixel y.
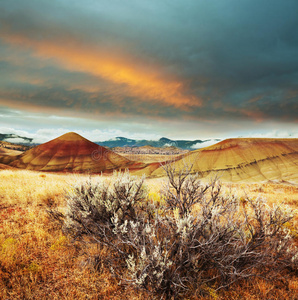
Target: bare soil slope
{"type": "Point", "coordinates": [245, 159]}
{"type": "Point", "coordinates": [6, 151]}
{"type": "Point", "coordinates": [7, 155]}
{"type": "Point", "coordinates": [70, 153]}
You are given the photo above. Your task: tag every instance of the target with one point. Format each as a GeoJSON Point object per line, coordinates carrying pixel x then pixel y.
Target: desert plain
{"type": "Point", "coordinates": [39, 261]}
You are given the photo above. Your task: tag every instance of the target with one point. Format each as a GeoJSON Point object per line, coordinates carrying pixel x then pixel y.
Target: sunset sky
{"type": "Point", "coordinates": [191, 69]}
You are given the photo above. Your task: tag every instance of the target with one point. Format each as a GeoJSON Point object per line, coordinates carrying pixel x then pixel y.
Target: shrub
{"type": "Point", "coordinates": [201, 238]}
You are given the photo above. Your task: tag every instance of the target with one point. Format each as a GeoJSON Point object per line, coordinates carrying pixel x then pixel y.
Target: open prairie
{"type": "Point", "coordinates": [148, 150]}
{"type": "Point", "coordinates": [37, 261]}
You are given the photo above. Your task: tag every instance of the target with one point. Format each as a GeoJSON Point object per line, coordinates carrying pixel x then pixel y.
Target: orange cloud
{"type": "Point", "coordinates": [134, 78]}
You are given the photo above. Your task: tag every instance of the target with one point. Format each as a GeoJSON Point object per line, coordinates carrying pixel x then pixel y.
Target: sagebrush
{"type": "Point", "coordinates": [199, 238]}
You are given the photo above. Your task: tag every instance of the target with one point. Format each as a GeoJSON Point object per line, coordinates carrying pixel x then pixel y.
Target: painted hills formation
{"type": "Point", "coordinates": [70, 153]}
{"type": "Point", "coordinates": [240, 159]}
{"type": "Point", "coordinates": [7, 154]}
{"type": "Point", "coordinates": [244, 159]}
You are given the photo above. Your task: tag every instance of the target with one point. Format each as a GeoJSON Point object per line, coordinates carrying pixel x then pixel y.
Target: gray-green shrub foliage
{"type": "Point", "coordinates": [200, 237]}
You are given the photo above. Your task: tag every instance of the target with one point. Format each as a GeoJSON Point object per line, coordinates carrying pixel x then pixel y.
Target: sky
{"type": "Point", "coordinates": [145, 69]}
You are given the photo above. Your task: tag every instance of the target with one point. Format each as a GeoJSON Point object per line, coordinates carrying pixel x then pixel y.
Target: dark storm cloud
{"type": "Point", "coordinates": [229, 59]}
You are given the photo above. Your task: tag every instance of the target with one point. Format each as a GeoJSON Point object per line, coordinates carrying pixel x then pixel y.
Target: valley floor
{"type": "Point", "coordinates": [37, 261]}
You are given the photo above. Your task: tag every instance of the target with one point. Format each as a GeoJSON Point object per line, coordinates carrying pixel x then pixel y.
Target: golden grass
{"type": "Point", "coordinates": [38, 262]}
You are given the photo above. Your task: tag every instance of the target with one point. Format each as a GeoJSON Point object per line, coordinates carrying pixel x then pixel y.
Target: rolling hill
{"type": "Point", "coordinates": [8, 154]}
{"type": "Point", "coordinates": [71, 153]}
{"type": "Point", "coordinates": [235, 160]}
{"type": "Point", "coordinates": [7, 151]}
{"type": "Point", "coordinates": [244, 159]}
{"type": "Point", "coordinates": [12, 146]}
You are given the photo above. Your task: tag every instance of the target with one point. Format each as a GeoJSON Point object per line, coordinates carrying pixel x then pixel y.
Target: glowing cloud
{"type": "Point", "coordinates": [135, 79]}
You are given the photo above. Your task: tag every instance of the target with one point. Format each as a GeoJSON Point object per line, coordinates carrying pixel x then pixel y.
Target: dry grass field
{"type": "Point", "coordinates": [38, 262]}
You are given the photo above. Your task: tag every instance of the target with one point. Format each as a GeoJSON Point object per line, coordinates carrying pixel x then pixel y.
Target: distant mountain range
{"type": "Point", "coordinates": [163, 142]}
{"type": "Point", "coordinates": [124, 142]}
